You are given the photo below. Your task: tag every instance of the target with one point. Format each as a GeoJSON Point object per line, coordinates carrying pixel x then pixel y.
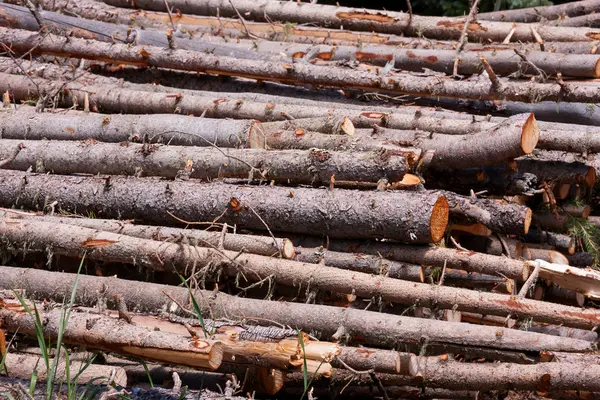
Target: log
{"type": "Point", "coordinates": [559, 171]}
{"type": "Point", "coordinates": [75, 241]}
{"type": "Point", "coordinates": [253, 244]}
{"type": "Point", "coordinates": [473, 229]}
{"type": "Point", "coordinates": [404, 216]}
{"type": "Point", "coordinates": [364, 20]}
{"type": "Point", "coordinates": [537, 14]}
{"type": "Point", "coordinates": [546, 220]}
{"type": "Point", "coordinates": [556, 294]}
{"type": "Point", "coordinates": [94, 330]}
{"type": "Point", "coordinates": [562, 242]}
{"type": "Point", "coordinates": [23, 366]}
{"type": "Point", "coordinates": [541, 377]}
{"type": "Point", "coordinates": [589, 21]}
{"type": "Point", "coordinates": [295, 73]}
{"type": "Point", "coordinates": [551, 256]}
{"type": "Point", "coordinates": [581, 259]}
{"type": "Point", "coordinates": [330, 125]}
{"type": "Point", "coordinates": [25, 124]}
{"type": "Point", "coordinates": [313, 167]}
{"type": "Point", "coordinates": [577, 211]}
{"type": "Point", "coordinates": [326, 320]}
{"type": "Point", "coordinates": [516, 136]}
{"type": "Point", "coordinates": [362, 359]}
{"type": "Point", "coordinates": [493, 245]}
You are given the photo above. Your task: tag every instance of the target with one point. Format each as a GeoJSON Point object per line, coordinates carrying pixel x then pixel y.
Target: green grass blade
{"type": "Point", "coordinates": [33, 382]}
{"type": "Point", "coordinates": [305, 371]}
{"type": "Point", "coordinates": [39, 328]}
{"type": "Point", "coordinates": [196, 306]}
{"type": "Point", "coordinates": [147, 372]}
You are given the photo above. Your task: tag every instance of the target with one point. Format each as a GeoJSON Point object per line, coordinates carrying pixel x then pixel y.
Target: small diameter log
{"type": "Point", "coordinates": [297, 73]}
{"type": "Point", "coordinates": [546, 220]}
{"type": "Point", "coordinates": [493, 245]}
{"type": "Point", "coordinates": [537, 14]}
{"type": "Point", "coordinates": [577, 211]}
{"type": "Point", "coordinates": [404, 216]}
{"type": "Point", "coordinates": [563, 331]}
{"type": "Point", "coordinates": [551, 256]}
{"type": "Point", "coordinates": [143, 296]}
{"type": "Point", "coordinates": [514, 137]}
{"type": "Point", "coordinates": [288, 166]}
{"type": "Point", "coordinates": [363, 359]}
{"type": "Point", "coordinates": [75, 241]}
{"type": "Point", "coordinates": [25, 124]}
{"type": "Point", "coordinates": [23, 366]}
{"type": "Point", "coordinates": [329, 125]}
{"type": "Point", "coordinates": [97, 331]}
{"type": "Point", "coordinates": [559, 171]}
{"type": "Point", "coordinates": [469, 280]}
{"type": "Point", "coordinates": [541, 377]}
{"type": "Point", "coordinates": [581, 259]}
{"type": "Point", "coordinates": [556, 294]}
{"type": "Point", "coordinates": [253, 244]}
{"type": "Point", "coordinates": [562, 242]}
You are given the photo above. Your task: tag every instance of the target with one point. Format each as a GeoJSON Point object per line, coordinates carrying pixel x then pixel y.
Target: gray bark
{"type": "Point", "coordinates": [404, 216]}
{"type": "Point", "coordinates": [562, 242]}
{"type": "Point", "coordinates": [384, 330]}
{"type": "Point", "coordinates": [316, 167]}
{"type": "Point", "coordinates": [536, 14]}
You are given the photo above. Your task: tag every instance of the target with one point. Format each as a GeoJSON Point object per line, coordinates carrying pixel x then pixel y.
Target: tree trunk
{"type": "Point", "coordinates": [404, 216]}
{"type": "Point", "coordinates": [312, 167]}
{"type": "Point", "coordinates": [365, 20]}
{"type": "Point", "coordinates": [541, 377]}
{"type": "Point", "coordinates": [562, 242]}
{"type": "Point", "coordinates": [253, 244]}
{"type": "Point", "coordinates": [516, 136]}
{"type": "Point", "coordinates": [296, 73]}
{"type": "Point", "coordinates": [537, 14]}
{"type": "Point", "coordinates": [25, 124]}
{"type": "Point", "coordinates": [384, 330]}
{"type": "Point", "coordinates": [115, 335]}
{"type": "Point", "coordinates": [74, 241]}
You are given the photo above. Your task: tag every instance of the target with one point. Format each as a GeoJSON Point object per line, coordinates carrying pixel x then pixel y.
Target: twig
{"type": "Point", "coordinates": [410, 13]}
{"type": "Point", "coordinates": [457, 245]}
{"type": "Point", "coordinates": [248, 33]}
{"type": "Point", "coordinates": [379, 386]}
{"type": "Point", "coordinates": [538, 38]}
{"type": "Point", "coordinates": [491, 74]}
{"type": "Point", "coordinates": [529, 282]}
{"type": "Point", "coordinates": [268, 229]}
{"type": "Point", "coordinates": [36, 13]}
{"type": "Point", "coordinates": [541, 73]}
{"type": "Point", "coordinates": [14, 155]}
{"type": "Point", "coordinates": [192, 222]}
{"type": "Point", "coordinates": [510, 34]}
{"type": "Point", "coordinates": [170, 15]}
{"type": "Point", "coordinates": [441, 282]}
{"type": "Point", "coordinates": [178, 304]}
{"type": "Point", "coordinates": [463, 34]}
{"type": "Point", "coordinates": [505, 248]}
{"type": "Point", "coordinates": [349, 368]}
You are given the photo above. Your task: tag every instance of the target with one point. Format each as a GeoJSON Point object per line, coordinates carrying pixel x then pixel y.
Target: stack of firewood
{"type": "Point", "coordinates": [297, 200]}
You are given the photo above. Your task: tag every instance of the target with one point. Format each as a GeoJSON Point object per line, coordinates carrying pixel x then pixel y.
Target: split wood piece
{"type": "Point", "coordinates": [23, 366]}
{"type": "Point", "coordinates": [254, 244]}
{"type": "Point", "coordinates": [584, 281]}
{"type": "Point", "coordinates": [562, 242]}
{"type": "Point", "coordinates": [25, 124]}
{"type": "Point", "coordinates": [75, 241]}
{"type": "Point", "coordinates": [559, 171]}
{"type": "Point", "coordinates": [17, 17]}
{"type": "Point", "coordinates": [551, 256]}
{"type": "Point", "coordinates": [498, 215]}
{"type": "Point", "coordinates": [330, 125]}
{"type": "Point", "coordinates": [404, 216]}
{"type": "Point", "coordinates": [364, 20]}
{"type": "Point", "coordinates": [556, 294]}
{"type": "Point", "coordinates": [316, 167]}
{"type": "Point", "coordinates": [581, 259]}
{"type": "Point", "coordinates": [328, 321]}
{"type": "Point", "coordinates": [493, 245]}
{"type": "Point", "coordinates": [542, 377]}
{"type": "Point", "coordinates": [516, 136]}
{"type": "Point", "coordinates": [295, 73]}
{"type": "Point", "coordinates": [537, 14]}
{"type": "Point", "coordinates": [271, 31]}
{"type": "Point", "coordinates": [96, 331]}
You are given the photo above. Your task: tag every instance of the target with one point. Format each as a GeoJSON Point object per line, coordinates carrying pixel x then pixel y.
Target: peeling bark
{"type": "Point", "coordinates": [315, 167]}
{"type": "Point", "coordinates": [385, 330]}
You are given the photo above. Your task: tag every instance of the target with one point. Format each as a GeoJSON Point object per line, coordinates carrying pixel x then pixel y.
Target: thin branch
{"type": "Point", "coordinates": [441, 282]}
{"type": "Point", "coordinates": [170, 15]}
{"type": "Point", "coordinates": [491, 74]}
{"type": "Point", "coordinates": [463, 36]}
{"type": "Point", "coordinates": [248, 33]}
{"type": "Point", "coordinates": [349, 368]}
{"type": "Point", "coordinates": [14, 155]}
{"type": "Point", "coordinates": [529, 282]}
{"type": "Point", "coordinates": [36, 13]}
{"type": "Point", "coordinates": [523, 57]}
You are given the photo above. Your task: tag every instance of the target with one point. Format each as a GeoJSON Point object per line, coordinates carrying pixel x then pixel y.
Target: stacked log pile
{"type": "Point", "coordinates": [295, 200]}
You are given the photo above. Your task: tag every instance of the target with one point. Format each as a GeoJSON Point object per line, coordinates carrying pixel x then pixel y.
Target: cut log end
{"type": "Point", "coordinates": [590, 177]}
{"type": "Point", "coordinates": [347, 127]}
{"type": "Point", "coordinates": [527, 222]}
{"type": "Point", "coordinates": [562, 190]}
{"type": "Point", "coordinates": [571, 247]}
{"type": "Point", "coordinates": [215, 356]}
{"type": "Point", "coordinates": [530, 135]}
{"type": "Point", "coordinates": [287, 249]}
{"type": "Point", "coordinates": [597, 69]}
{"type": "Point", "coordinates": [256, 136]}
{"type": "Point", "coordinates": [439, 219]}
{"type": "Point", "coordinates": [586, 211]}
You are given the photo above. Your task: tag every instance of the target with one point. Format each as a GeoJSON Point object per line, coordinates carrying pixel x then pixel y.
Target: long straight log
{"type": "Point", "coordinates": [385, 330]}
{"type": "Point", "coordinates": [404, 216]}
{"type": "Point", "coordinates": [364, 20]}
{"type": "Point", "coordinates": [294, 73]}
{"type": "Point", "coordinates": [314, 166]}
{"type": "Point", "coordinates": [541, 377]}
{"type": "Point", "coordinates": [104, 333]}
{"type": "Point", "coordinates": [536, 14]}
{"type": "Point", "coordinates": [25, 124]}
{"type": "Point", "coordinates": [74, 241]}
{"type": "Point", "coordinates": [253, 244]}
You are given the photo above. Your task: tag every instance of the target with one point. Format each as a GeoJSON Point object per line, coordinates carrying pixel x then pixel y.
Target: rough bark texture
{"type": "Point", "coordinates": [581, 259]}
{"type": "Point", "coordinates": [330, 125]}
{"type": "Point", "coordinates": [362, 359]}
{"type": "Point", "coordinates": [541, 377]}
{"type": "Point", "coordinates": [316, 167]}
{"type": "Point", "coordinates": [405, 216]}
{"type": "Point", "coordinates": [536, 14]}
{"type": "Point", "coordinates": [110, 334]}
{"type": "Point", "coordinates": [493, 245]}
{"type": "Point", "coordinates": [514, 137]}
{"type": "Point", "coordinates": [296, 73]}
{"type": "Point", "coordinates": [363, 20]}
{"type": "Point", "coordinates": [385, 330]}
{"type": "Point", "coordinates": [75, 241]}
{"type": "Point", "coordinates": [562, 242]}
{"type": "Point", "coordinates": [253, 244]}
{"type": "Point", "coordinates": [558, 171]}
